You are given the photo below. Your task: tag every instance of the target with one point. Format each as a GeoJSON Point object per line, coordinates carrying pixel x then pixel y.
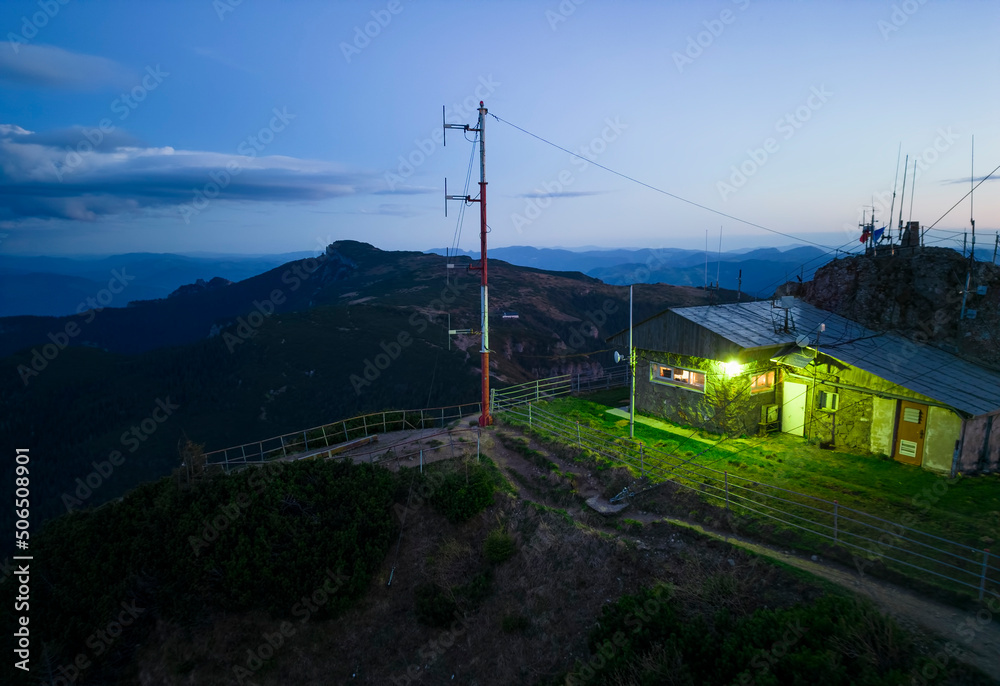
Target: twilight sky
{"type": "Point", "coordinates": [256, 126]}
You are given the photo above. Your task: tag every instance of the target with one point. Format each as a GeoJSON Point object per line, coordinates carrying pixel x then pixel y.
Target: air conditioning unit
{"type": "Point", "coordinates": [828, 402]}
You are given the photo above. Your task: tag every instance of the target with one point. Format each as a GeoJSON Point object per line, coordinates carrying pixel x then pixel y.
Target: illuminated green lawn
{"type": "Point", "coordinates": [966, 510]}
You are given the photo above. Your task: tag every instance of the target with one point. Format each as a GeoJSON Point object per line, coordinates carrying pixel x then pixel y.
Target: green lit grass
{"type": "Point", "coordinates": [966, 510]}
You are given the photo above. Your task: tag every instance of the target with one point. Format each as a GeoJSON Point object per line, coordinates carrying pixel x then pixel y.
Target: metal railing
{"type": "Point", "coordinates": [554, 387]}
{"type": "Point", "coordinates": [869, 539]}
{"type": "Point", "coordinates": [335, 434]}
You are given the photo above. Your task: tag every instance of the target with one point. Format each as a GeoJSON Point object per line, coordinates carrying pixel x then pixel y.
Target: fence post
{"type": "Point", "coordinates": [346, 437]}
{"type": "Point", "coordinates": [982, 579]}
{"type": "Point", "coordinates": [642, 461]}
{"type": "Point", "coordinates": [836, 509]}
{"type": "Point", "coordinates": [536, 390]}
{"type": "Point", "coordinates": [578, 439]}
{"type": "Point", "coordinates": [726, 476]}
{"type": "Point", "coordinates": [364, 423]}
{"type": "Point", "coordinates": [421, 461]}
{"type": "Point", "coordinates": [529, 415]}
{"type": "Point", "coordinates": [384, 430]}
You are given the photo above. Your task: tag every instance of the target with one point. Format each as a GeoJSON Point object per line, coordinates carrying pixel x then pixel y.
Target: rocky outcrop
{"type": "Point", "coordinates": [917, 293]}
{"type": "Point", "coordinates": [200, 286]}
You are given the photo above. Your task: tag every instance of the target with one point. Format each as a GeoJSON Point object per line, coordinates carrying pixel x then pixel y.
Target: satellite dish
{"type": "Point", "coordinates": [618, 357]}
{"type": "Point", "coordinates": [802, 341]}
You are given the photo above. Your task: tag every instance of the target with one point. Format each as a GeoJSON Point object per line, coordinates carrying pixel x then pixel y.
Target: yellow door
{"type": "Point", "coordinates": [911, 426]}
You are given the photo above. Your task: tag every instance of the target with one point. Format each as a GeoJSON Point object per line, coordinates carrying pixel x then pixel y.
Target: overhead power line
{"type": "Point", "coordinates": [660, 190]}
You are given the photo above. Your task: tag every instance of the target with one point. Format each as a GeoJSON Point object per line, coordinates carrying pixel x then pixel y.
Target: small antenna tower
{"type": "Point", "coordinates": [902, 196]}
{"type": "Point", "coordinates": [895, 180]}
{"type": "Point", "coordinates": [484, 419]}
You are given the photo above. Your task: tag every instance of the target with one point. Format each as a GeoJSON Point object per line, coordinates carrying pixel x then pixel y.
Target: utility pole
{"type": "Point", "coordinates": [972, 213]}
{"type": "Point", "coordinates": [484, 419]}
{"type": "Point", "coordinates": [972, 250]}
{"type": "Point", "coordinates": [631, 364]}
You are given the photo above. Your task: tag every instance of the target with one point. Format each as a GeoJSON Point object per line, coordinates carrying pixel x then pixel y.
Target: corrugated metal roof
{"type": "Point", "coordinates": [921, 368]}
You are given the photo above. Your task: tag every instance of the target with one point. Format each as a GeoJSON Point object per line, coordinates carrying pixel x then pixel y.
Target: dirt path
{"type": "Point", "coordinates": [976, 635]}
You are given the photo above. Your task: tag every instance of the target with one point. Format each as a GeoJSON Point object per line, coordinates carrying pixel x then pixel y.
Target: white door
{"type": "Point", "coordinates": [793, 408]}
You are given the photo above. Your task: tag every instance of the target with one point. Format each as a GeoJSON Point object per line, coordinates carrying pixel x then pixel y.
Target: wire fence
{"type": "Point", "coordinates": [324, 440]}
{"type": "Point", "coordinates": [870, 541]}
{"type": "Point", "coordinates": [556, 386]}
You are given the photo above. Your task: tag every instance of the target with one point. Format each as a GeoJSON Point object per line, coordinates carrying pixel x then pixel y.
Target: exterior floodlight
{"type": "Point", "coordinates": [618, 357]}
{"type": "Point", "coordinates": [732, 368]}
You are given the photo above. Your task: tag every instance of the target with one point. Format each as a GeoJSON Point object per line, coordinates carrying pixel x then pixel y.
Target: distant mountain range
{"type": "Point", "coordinates": [57, 286]}
{"type": "Point", "coordinates": [758, 271]}
{"type": "Point", "coordinates": [328, 337]}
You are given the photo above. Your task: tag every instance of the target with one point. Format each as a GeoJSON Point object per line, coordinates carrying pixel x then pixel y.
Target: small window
{"type": "Point", "coordinates": [762, 382]}
{"type": "Point", "coordinates": [677, 376]}
{"type": "Point", "coordinates": [911, 414]}
{"type": "Point", "coordinates": [828, 402]}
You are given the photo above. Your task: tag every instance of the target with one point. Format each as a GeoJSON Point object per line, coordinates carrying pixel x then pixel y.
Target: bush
{"type": "Point", "coordinates": [466, 490]}
{"type": "Point", "coordinates": [498, 546]}
{"type": "Point", "coordinates": [258, 539]}
{"type": "Point", "coordinates": [834, 641]}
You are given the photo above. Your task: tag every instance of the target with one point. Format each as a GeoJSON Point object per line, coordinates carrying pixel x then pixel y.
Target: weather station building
{"type": "Point", "coordinates": [784, 365]}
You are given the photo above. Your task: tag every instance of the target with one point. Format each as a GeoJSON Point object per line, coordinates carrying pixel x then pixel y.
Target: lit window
{"type": "Point", "coordinates": [677, 376]}
{"type": "Point", "coordinates": [762, 382]}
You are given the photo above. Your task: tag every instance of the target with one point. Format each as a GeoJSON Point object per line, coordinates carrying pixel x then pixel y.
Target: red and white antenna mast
{"type": "Point", "coordinates": [484, 419]}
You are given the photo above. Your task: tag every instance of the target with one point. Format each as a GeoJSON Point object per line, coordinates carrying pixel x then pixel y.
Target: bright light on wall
{"type": "Point", "coordinates": [732, 368]}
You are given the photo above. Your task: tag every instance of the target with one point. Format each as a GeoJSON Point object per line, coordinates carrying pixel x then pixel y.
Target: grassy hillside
{"type": "Point", "coordinates": [366, 331]}
{"type": "Point", "coordinates": [322, 572]}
